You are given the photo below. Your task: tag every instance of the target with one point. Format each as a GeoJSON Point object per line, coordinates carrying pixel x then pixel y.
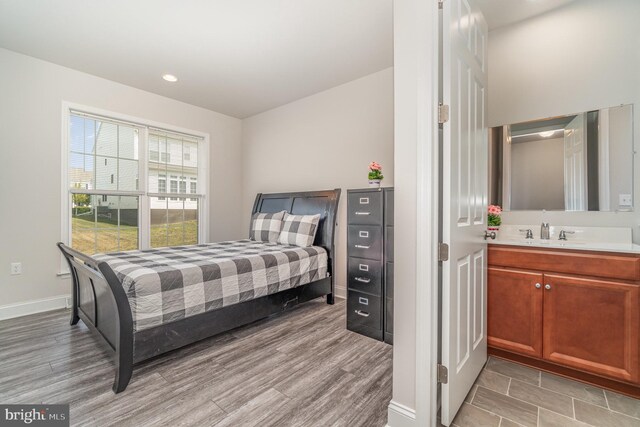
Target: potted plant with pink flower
{"type": "Point", "coordinates": [375, 174]}
{"type": "Point", "coordinates": [493, 219]}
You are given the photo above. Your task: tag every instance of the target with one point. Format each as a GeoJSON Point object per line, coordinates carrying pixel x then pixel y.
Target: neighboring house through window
{"type": "Point", "coordinates": [117, 178]}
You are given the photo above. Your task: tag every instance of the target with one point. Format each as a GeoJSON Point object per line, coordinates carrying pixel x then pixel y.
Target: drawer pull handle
{"type": "Point", "coordinates": [364, 234]}
{"type": "Point", "coordinates": [538, 285]}
{"type": "Point", "coordinates": [361, 246]}
{"type": "Point", "coordinates": [363, 279]}
{"type": "Point", "coordinates": [363, 213]}
{"type": "Point", "coordinates": [547, 286]}
{"type": "Point", "coordinates": [362, 313]}
{"type": "Point", "coordinates": [364, 200]}
{"type": "Point", "coordinates": [363, 267]}
{"type": "Point", "coordinates": [363, 301]}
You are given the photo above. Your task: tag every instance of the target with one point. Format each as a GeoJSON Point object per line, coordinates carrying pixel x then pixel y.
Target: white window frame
{"type": "Point", "coordinates": [144, 226]}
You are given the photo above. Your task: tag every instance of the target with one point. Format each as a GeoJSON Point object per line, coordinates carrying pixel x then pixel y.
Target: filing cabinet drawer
{"type": "Point", "coordinates": [364, 310]}
{"type": "Point", "coordinates": [365, 208]}
{"type": "Point", "coordinates": [365, 275]}
{"type": "Point", "coordinates": [365, 241]}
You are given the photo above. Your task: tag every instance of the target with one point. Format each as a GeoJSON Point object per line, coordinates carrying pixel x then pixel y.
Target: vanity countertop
{"type": "Point", "coordinates": [630, 248]}
{"type": "Point", "coordinates": [596, 239]}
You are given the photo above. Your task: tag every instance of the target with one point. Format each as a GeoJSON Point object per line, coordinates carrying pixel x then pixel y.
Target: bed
{"type": "Point", "coordinates": [146, 303]}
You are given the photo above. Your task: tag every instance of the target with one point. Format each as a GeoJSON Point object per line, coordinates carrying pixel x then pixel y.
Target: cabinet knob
{"type": "Point", "coordinates": [547, 286]}
{"type": "Point", "coordinates": [538, 285]}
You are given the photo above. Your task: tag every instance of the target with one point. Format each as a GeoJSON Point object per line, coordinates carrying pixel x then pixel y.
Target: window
{"type": "Point", "coordinates": [174, 217]}
{"type": "Point", "coordinates": [193, 189]}
{"type": "Point", "coordinates": [116, 168]}
{"type": "Point", "coordinates": [174, 186]}
{"type": "Point", "coordinates": [162, 186]}
{"type": "Point", "coordinates": [102, 170]}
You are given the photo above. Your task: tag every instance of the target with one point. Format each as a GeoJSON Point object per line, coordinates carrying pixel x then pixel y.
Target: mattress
{"type": "Point", "coordinates": [168, 284]}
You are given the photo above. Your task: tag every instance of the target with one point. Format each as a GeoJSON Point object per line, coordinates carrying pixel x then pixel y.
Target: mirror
{"type": "Point", "coordinates": [577, 162]}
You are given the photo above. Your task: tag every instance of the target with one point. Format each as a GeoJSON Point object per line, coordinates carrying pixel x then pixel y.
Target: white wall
{"type": "Point", "coordinates": [581, 57]}
{"type": "Point", "coordinates": [620, 170]}
{"type": "Point", "coordinates": [532, 185]}
{"type": "Point", "coordinates": [415, 353]}
{"type": "Point", "coordinates": [31, 96]}
{"type": "Point", "coordinates": [321, 142]}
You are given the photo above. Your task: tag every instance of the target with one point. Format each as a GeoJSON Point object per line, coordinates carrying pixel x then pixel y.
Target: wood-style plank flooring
{"type": "Point", "coordinates": [300, 368]}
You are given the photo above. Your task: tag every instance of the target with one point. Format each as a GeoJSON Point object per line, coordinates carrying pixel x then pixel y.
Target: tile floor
{"type": "Point", "coordinates": [507, 394]}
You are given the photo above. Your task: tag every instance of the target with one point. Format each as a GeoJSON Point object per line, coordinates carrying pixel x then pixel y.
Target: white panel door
{"type": "Point", "coordinates": [465, 183]}
{"type": "Point", "coordinates": [575, 164]}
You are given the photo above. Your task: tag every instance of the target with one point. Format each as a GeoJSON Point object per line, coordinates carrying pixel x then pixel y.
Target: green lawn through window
{"type": "Point", "coordinates": [90, 240]}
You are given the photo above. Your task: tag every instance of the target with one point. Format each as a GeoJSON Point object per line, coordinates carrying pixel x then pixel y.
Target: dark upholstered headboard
{"type": "Point", "coordinates": [324, 203]}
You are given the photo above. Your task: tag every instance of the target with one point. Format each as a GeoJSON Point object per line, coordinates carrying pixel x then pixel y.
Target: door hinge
{"type": "Point", "coordinates": [443, 113]}
{"type": "Point", "coordinates": [443, 252]}
{"type": "Point", "coordinates": [443, 374]}
{"type": "Point", "coordinates": [440, 4]}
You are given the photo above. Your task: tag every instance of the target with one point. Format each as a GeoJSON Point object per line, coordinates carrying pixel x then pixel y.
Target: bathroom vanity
{"type": "Point", "coordinates": [569, 307]}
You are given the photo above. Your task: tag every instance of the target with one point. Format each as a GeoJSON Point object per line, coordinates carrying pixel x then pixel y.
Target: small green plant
{"type": "Point", "coordinates": [375, 170]}
{"type": "Point", "coordinates": [494, 219]}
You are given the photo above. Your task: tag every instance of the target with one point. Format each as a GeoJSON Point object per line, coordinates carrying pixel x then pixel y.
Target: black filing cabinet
{"type": "Point", "coordinates": [370, 262]}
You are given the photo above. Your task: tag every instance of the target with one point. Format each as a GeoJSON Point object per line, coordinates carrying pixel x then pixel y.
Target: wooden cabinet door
{"type": "Point", "coordinates": [592, 325]}
{"type": "Point", "coordinates": [514, 311]}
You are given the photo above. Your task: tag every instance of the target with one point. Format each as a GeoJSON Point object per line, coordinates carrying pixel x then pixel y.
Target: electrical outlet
{"type": "Point", "coordinates": [16, 268]}
{"type": "Point", "coordinates": [624, 200]}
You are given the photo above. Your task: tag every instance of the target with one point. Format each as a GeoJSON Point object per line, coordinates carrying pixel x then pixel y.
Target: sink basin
{"type": "Point", "coordinates": [608, 239]}
{"type": "Point", "coordinates": [537, 242]}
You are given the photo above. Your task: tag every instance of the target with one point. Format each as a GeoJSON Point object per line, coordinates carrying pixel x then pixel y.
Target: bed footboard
{"type": "Point", "coordinates": [100, 301]}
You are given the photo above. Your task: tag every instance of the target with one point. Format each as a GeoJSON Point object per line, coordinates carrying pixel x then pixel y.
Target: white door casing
{"type": "Point", "coordinates": [465, 183]}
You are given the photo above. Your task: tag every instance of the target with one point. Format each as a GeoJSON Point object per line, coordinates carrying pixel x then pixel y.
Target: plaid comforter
{"type": "Point", "coordinates": [168, 284]}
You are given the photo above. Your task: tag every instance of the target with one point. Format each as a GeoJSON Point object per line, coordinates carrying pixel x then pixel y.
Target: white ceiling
{"type": "Point", "coordinates": [500, 13]}
{"type": "Point", "coordinates": [238, 57]}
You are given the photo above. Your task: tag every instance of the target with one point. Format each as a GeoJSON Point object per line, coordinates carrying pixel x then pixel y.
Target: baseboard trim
{"type": "Point", "coordinates": [26, 308]}
{"type": "Point", "coordinates": [400, 415]}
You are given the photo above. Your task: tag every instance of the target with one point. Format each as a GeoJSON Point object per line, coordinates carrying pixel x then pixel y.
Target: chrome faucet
{"type": "Point", "coordinates": [563, 234]}
{"type": "Point", "coordinates": [544, 231]}
{"type": "Point", "coordinates": [528, 231]}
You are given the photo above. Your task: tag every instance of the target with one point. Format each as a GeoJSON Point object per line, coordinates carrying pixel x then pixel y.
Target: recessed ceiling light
{"type": "Point", "coordinates": [170, 78]}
